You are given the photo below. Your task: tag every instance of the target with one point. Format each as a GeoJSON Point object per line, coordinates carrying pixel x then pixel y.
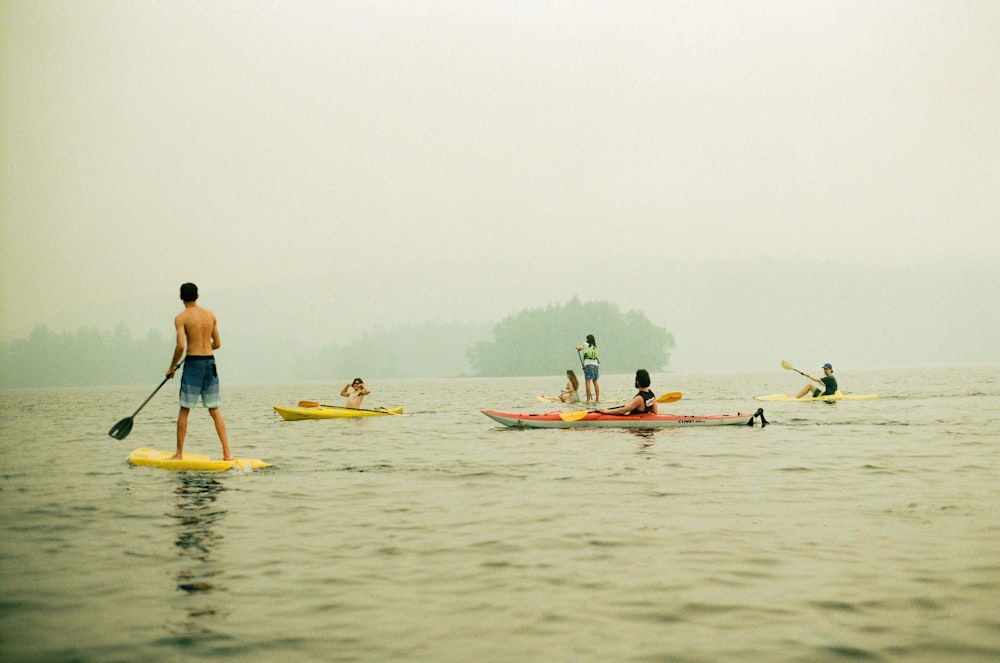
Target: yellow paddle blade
{"type": "Point", "coordinates": [672, 397]}
{"type": "Point", "coordinates": [308, 403]}
{"type": "Point", "coordinates": [573, 415]}
{"type": "Point", "coordinates": [788, 367]}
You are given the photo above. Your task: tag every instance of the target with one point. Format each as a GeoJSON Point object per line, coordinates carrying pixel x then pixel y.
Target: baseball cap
{"type": "Point", "coordinates": [827, 366]}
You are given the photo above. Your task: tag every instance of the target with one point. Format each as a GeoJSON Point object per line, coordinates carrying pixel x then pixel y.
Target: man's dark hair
{"type": "Point", "coordinates": [189, 292]}
{"type": "Point", "coordinates": [642, 380]}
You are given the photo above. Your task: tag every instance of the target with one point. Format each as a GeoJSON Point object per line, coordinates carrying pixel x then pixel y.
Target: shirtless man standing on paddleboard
{"type": "Point", "coordinates": [198, 335]}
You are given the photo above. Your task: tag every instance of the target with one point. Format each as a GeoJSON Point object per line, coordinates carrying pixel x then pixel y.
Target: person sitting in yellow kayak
{"type": "Point", "coordinates": [571, 394]}
{"type": "Point", "coordinates": [355, 392]}
{"type": "Point", "coordinates": [828, 381]}
{"type": "Point", "coordinates": [643, 402]}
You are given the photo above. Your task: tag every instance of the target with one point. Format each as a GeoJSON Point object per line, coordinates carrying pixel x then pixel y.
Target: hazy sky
{"type": "Point", "coordinates": [389, 162]}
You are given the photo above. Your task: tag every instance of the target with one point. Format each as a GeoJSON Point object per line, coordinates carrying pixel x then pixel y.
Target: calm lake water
{"type": "Point", "coordinates": [865, 530]}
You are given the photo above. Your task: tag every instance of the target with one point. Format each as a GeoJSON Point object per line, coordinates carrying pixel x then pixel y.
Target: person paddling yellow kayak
{"type": "Point", "coordinates": [828, 382]}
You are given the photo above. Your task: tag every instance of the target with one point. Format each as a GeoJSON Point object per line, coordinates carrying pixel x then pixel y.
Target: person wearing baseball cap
{"type": "Point", "coordinates": [828, 381]}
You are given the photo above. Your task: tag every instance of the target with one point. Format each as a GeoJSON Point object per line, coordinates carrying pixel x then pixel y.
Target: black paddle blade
{"type": "Point", "coordinates": [121, 430]}
{"type": "Point", "coordinates": [758, 413]}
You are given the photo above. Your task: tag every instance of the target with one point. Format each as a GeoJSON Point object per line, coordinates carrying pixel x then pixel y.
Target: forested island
{"type": "Point", "coordinates": [539, 341]}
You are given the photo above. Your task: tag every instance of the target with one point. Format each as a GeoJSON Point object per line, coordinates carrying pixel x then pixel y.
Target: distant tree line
{"type": "Point", "coordinates": [532, 342]}
{"type": "Point", "coordinates": [83, 358]}
{"type": "Point", "coordinates": [90, 357]}
{"type": "Point", "coordinates": [543, 341]}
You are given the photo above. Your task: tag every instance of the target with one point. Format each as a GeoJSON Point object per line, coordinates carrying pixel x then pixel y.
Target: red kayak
{"type": "Point", "coordinates": [584, 419]}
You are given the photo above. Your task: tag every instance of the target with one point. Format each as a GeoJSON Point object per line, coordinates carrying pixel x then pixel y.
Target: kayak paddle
{"type": "Point", "coordinates": [788, 367]}
{"type": "Point", "coordinates": [576, 415]}
{"type": "Point", "coordinates": [121, 430]}
{"type": "Point", "coordinates": [672, 397]}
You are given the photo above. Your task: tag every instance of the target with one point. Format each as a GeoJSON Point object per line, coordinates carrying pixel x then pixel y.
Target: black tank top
{"type": "Point", "coordinates": [648, 398]}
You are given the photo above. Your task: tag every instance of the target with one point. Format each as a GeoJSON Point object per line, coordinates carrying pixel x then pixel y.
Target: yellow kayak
{"type": "Point", "coordinates": [194, 462]}
{"type": "Point", "coordinates": [836, 396]}
{"type": "Point", "coordinates": [308, 410]}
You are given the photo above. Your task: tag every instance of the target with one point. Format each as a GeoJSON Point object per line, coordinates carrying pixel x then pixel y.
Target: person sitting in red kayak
{"type": "Point", "coordinates": [828, 381]}
{"type": "Point", "coordinates": [643, 402]}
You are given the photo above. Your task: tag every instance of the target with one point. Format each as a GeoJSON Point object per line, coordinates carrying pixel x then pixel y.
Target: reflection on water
{"type": "Point", "coordinates": [645, 435]}
{"type": "Point", "coordinates": [197, 516]}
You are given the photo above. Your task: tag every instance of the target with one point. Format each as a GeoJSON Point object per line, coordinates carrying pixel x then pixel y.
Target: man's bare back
{"type": "Point", "coordinates": [197, 332]}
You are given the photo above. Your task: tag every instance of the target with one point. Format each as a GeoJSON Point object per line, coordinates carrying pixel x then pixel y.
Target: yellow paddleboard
{"type": "Point", "coordinates": [194, 462]}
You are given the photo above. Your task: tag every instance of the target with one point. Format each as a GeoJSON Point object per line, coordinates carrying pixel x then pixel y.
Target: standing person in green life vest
{"type": "Point", "coordinates": [591, 366]}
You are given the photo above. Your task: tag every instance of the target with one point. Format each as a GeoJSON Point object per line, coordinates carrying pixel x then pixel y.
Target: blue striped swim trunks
{"type": "Point", "coordinates": [200, 379]}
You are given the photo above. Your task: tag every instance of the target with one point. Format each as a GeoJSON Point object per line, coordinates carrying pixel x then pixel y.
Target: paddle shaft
{"type": "Point", "coordinates": [150, 396]}
{"type": "Point", "coordinates": [121, 429]}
